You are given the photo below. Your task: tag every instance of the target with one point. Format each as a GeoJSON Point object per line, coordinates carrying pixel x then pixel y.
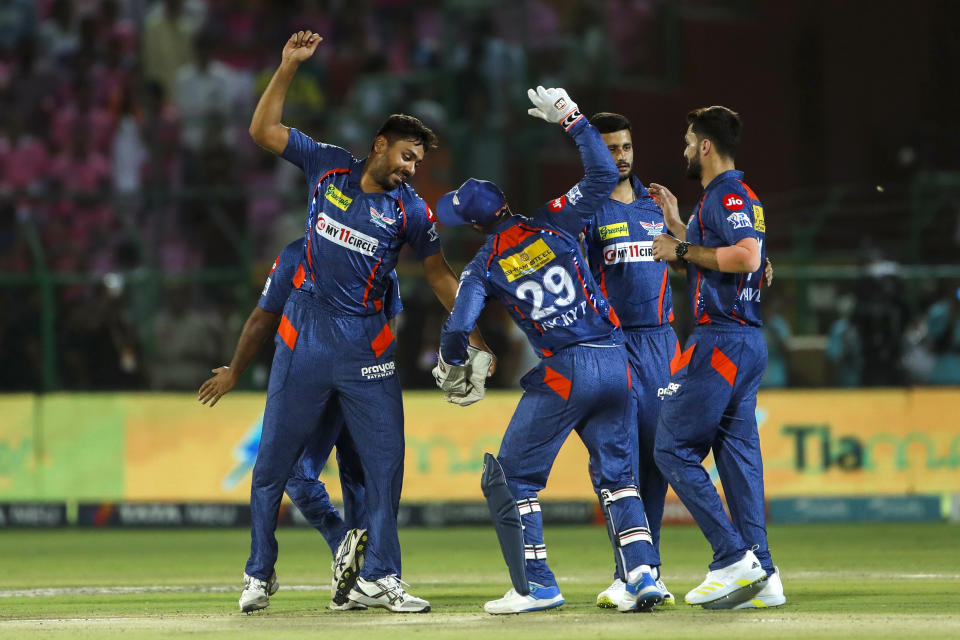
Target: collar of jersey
{"type": "Point", "coordinates": [732, 174]}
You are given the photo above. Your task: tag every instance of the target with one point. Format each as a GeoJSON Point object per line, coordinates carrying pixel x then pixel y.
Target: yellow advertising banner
{"type": "Point", "coordinates": [169, 447]}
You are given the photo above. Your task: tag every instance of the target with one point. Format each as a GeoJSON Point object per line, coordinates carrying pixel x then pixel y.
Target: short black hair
{"type": "Point", "coordinates": [720, 125]}
{"type": "Point", "coordinates": [607, 122]}
{"type": "Point", "coordinates": [400, 126]}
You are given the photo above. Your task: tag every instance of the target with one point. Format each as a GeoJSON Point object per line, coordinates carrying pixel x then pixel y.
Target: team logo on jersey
{"type": "Point", "coordinates": [615, 230]}
{"type": "Point", "coordinates": [758, 222]}
{"type": "Point", "coordinates": [574, 194]}
{"type": "Point", "coordinates": [533, 258]}
{"type": "Point", "coordinates": [380, 219]}
{"type": "Point", "coordinates": [432, 234]}
{"type": "Point", "coordinates": [336, 196]}
{"type": "Point", "coordinates": [558, 204]}
{"type": "Point", "coordinates": [345, 236]}
{"type": "Point", "coordinates": [739, 220]}
{"type": "Point", "coordinates": [628, 252]}
{"type": "Point", "coordinates": [733, 202]}
{"type": "Point", "coordinates": [652, 228]}
{"type": "Point", "coordinates": [431, 216]}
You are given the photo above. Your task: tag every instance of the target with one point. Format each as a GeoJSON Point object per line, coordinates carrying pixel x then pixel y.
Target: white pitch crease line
{"type": "Point", "coordinates": [48, 592]}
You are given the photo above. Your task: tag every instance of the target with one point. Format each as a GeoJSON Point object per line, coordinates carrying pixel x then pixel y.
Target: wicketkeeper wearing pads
{"type": "Point", "coordinates": [534, 266]}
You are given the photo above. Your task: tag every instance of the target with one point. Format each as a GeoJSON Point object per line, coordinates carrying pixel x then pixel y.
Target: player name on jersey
{"type": "Point", "coordinates": [531, 259]}
{"type": "Point", "coordinates": [344, 236]}
{"type": "Point", "coordinates": [628, 252]}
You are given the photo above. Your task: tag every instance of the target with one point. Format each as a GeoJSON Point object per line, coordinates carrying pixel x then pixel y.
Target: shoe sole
{"type": "Point", "coordinates": [349, 605]}
{"type": "Point", "coordinates": [669, 602]}
{"type": "Point", "coordinates": [552, 605]}
{"type": "Point", "coordinates": [759, 603]}
{"type": "Point", "coordinates": [741, 593]}
{"type": "Point", "coordinates": [606, 602]}
{"type": "Point", "coordinates": [254, 606]}
{"type": "Point", "coordinates": [644, 604]}
{"type": "Point", "coordinates": [348, 579]}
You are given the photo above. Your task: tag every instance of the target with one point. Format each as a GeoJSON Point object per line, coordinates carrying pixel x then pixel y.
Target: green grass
{"type": "Point", "coordinates": [849, 581]}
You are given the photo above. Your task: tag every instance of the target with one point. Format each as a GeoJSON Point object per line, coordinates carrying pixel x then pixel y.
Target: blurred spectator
{"type": "Point", "coordinates": [943, 325]}
{"type": "Point", "coordinates": [16, 23]}
{"type": "Point", "coordinates": [58, 33]}
{"type": "Point", "coordinates": [188, 340]}
{"type": "Point", "coordinates": [168, 33]}
{"type": "Point", "coordinates": [844, 346]}
{"type": "Point", "coordinates": [202, 94]}
{"type": "Point", "coordinates": [776, 333]}
{"type": "Point", "coordinates": [881, 319]}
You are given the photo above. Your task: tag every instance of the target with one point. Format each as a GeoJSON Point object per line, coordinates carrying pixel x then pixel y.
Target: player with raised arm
{"type": "Point", "coordinates": [534, 266]}
{"type": "Point", "coordinates": [334, 344]}
{"type": "Point", "coordinates": [346, 536]}
{"type": "Point", "coordinates": [619, 243]}
{"type": "Point", "coordinates": [712, 396]}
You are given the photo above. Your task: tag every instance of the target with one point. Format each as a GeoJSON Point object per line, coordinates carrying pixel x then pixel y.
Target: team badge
{"type": "Point", "coordinates": [574, 194]}
{"type": "Point", "coordinates": [652, 228]}
{"type": "Point", "coordinates": [380, 219]}
{"type": "Point", "coordinates": [558, 204]}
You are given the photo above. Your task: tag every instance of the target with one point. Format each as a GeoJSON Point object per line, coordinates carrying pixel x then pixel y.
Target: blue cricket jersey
{"type": "Point", "coordinates": [729, 211]}
{"type": "Point", "coordinates": [288, 273]}
{"type": "Point", "coordinates": [353, 239]}
{"type": "Point", "coordinates": [534, 266]}
{"type": "Point", "coordinates": [619, 241]}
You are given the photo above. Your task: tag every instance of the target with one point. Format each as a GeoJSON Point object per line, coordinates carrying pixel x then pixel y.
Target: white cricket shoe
{"type": "Point", "coordinates": [763, 594]}
{"type": "Point", "coordinates": [256, 592]}
{"type": "Point", "coordinates": [722, 582]}
{"type": "Point", "coordinates": [346, 566]}
{"type": "Point", "coordinates": [539, 599]}
{"type": "Point", "coordinates": [610, 597]}
{"type": "Point", "coordinates": [388, 592]}
{"type": "Point", "coordinates": [349, 605]}
{"type": "Point", "coordinates": [640, 595]}
{"type": "Point", "coordinates": [668, 599]}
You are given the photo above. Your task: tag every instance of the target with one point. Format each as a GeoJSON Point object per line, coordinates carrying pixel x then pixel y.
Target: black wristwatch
{"type": "Point", "coordinates": [681, 249]}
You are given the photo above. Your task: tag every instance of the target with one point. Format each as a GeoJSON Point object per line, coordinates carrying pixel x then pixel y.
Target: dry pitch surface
{"type": "Point", "coordinates": [842, 581]}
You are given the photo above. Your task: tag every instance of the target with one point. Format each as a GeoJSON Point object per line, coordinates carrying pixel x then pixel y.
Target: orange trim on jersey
{"type": "Point", "coordinates": [663, 291]}
{"type": "Point", "coordinates": [546, 353]}
{"type": "Point", "coordinates": [404, 213]}
{"type": "Point", "coordinates": [705, 319]}
{"type": "Point", "coordinates": [614, 318]}
{"type": "Point", "coordinates": [512, 237]}
{"type": "Point", "coordinates": [274, 267]}
{"type": "Point", "coordinates": [629, 378]}
{"type": "Point", "coordinates": [316, 189]}
{"type": "Point", "coordinates": [603, 283]}
{"type": "Point", "coordinates": [753, 196]}
{"type": "Point", "coordinates": [299, 276]}
{"type": "Point", "coordinates": [587, 293]}
{"type": "Point", "coordinates": [681, 359]}
{"type": "Point", "coordinates": [373, 273]}
{"type": "Point", "coordinates": [378, 304]}
{"type": "Point", "coordinates": [382, 341]}
{"type": "Point", "coordinates": [670, 317]}
{"type": "Point", "coordinates": [288, 333]}
{"type": "Point", "coordinates": [558, 382]}
{"type": "Point", "coordinates": [724, 365]}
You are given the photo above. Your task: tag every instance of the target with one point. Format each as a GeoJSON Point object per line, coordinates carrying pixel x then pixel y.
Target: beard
{"type": "Point", "coordinates": [624, 176]}
{"type": "Point", "coordinates": [694, 168]}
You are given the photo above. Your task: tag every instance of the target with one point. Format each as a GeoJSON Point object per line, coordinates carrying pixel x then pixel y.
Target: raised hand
{"type": "Point", "coordinates": [553, 105]}
{"type": "Point", "coordinates": [300, 46]}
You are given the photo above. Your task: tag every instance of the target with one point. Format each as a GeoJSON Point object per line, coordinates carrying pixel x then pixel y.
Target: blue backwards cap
{"type": "Point", "coordinates": [475, 202]}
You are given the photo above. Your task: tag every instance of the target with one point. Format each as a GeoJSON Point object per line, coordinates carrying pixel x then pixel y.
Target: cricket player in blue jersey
{"type": "Point", "coordinates": [534, 266]}
{"type": "Point", "coordinates": [711, 399]}
{"type": "Point", "coordinates": [334, 345]}
{"type": "Point", "coordinates": [345, 536]}
{"type": "Point", "coordinates": [619, 243]}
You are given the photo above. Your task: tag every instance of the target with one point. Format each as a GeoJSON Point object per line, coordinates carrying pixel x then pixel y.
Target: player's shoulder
{"type": "Point", "coordinates": [414, 204]}
{"type": "Point", "coordinates": [292, 252]}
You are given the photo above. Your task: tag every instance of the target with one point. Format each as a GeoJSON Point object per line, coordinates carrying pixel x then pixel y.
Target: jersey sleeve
{"type": "Point", "coordinates": [572, 210]}
{"type": "Point", "coordinates": [279, 283]}
{"type": "Point", "coordinates": [471, 298]}
{"type": "Point", "coordinates": [730, 214]}
{"type": "Point", "coordinates": [392, 306]}
{"type": "Point", "coordinates": [420, 229]}
{"type": "Point", "coordinates": [312, 157]}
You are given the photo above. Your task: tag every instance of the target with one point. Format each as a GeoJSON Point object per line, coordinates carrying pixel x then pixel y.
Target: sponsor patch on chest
{"type": "Point", "coordinates": [337, 197]}
{"type": "Point", "coordinates": [344, 236]}
{"type": "Point", "coordinates": [615, 230]}
{"type": "Point", "coordinates": [527, 261]}
{"type": "Point", "coordinates": [628, 252]}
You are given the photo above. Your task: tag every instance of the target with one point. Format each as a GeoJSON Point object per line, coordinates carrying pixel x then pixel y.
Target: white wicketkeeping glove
{"type": "Point", "coordinates": [553, 105]}
{"type": "Point", "coordinates": [478, 364]}
{"type": "Point", "coordinates": [452, 379]}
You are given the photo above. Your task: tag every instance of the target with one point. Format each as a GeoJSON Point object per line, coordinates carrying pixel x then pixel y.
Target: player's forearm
{"type": "Point", "coordinates": [258, 327]}
{"type": "Point", "coordinates": [739, 258]}
{"type": "Point", "coordinates": [676, 226]}
{"type": "Point", "coordinates": [265, 127]}
{"type": "Point", "coordinates": [600, 171]}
